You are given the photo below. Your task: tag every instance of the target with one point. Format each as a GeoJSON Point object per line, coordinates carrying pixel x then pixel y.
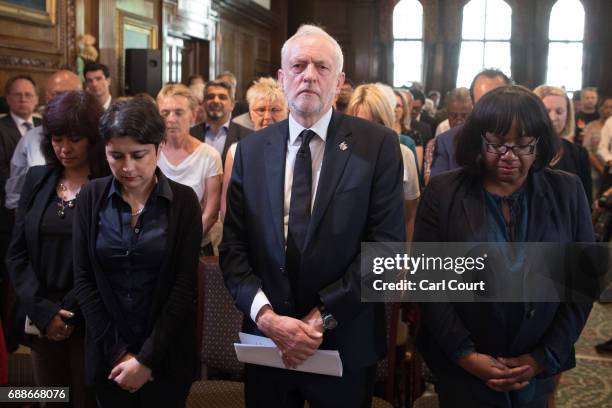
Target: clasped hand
{"type": "Point", "coordinates": [501, 374]}
{"type": "Point", "coordinates": [57, 329]}
{"type": "Point", "coordinates": [129, 373]}
{"type": "Point", "coordinates": [296, 339]}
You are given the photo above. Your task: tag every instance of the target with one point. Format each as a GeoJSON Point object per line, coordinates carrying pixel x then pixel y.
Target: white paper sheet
{"type": "Point", "coordinates": [262, 351]}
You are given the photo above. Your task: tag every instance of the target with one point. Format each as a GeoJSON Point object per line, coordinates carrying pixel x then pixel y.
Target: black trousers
{"type": "Point", "coordinates": [62, 363]}
{"type": "Point", "coordinates": [469, 391]}
{"type": "Point", "coordinates": [155, 394]}
{"type": "Point", "coordinates": [274, 387]}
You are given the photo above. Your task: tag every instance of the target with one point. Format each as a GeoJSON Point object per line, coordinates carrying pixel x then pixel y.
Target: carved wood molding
{"type": "Point", "coordinates": [248, 10]}
{"type": "Point", "coordinates": [62, 52]}
{"type": "Point", "coordinates": [29, 62]}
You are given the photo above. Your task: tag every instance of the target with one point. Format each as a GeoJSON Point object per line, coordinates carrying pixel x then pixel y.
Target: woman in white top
{"type": "Point", "coordinates": [368, 102]}
{"type": "Point", "coordinates": [187, 160]}
{"type": "Point", "coordinates": [267, 105]}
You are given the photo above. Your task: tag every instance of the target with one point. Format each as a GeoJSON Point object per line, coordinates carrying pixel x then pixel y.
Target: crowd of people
{"type": "Point", "coordinates": [108, 203]}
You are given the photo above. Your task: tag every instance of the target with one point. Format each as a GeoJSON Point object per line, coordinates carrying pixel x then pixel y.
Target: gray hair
{"type": "Point", "coordinates": [307, 30]}
{"type": "Point", "coordinates": [268, 89]}
{"type": "Point", "coordinates": [231, 79]}
{"type": "Point", "coordinates": [459, 95]}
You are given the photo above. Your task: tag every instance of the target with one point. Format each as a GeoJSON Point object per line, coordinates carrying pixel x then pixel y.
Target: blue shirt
{"type": "Point", "coordinates": [516, 231]}
{"type": "Point", "coordinates": [131, 257]}
{"type": "Point", "coordinates": [217, 141]}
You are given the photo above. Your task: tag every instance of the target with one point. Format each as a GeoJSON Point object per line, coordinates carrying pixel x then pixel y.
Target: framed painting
{"type": "Point", "coordinates": [32, 11]}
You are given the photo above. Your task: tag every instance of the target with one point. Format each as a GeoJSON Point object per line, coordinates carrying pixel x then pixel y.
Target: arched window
{"type": "Point", "coordinates": [565, 34]}
{"type": "Point", "coordinates": [485, 39]}
{"type": "Point", "coordinates": [407, 42]}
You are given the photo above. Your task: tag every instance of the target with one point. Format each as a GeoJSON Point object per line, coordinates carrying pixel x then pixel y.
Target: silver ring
{"type": "Point", "coordinates": [65, 326]}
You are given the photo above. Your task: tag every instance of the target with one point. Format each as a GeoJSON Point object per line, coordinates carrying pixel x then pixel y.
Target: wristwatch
{"type": "Point", "coordinates": [329, 321]}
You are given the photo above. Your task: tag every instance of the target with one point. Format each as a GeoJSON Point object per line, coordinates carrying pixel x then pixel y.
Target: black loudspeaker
{"type": "Point", "coordinates": [143, 71]}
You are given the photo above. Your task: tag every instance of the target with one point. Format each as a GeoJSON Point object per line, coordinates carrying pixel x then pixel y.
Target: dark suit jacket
{"type": "Point", "coordinates": [23, 257]}
{"type": "Point", "coordinates": [575, 160]}
{"type": "Point", "coordinates": [235, 133]}
{"type": "Point", "coordinates": [358, 199]}
{"type": "Point", "coordinates": [452, 209]}
{"type": "Point", "coordinates": [9, 137]}
{"type": "Point", "coordinates": [169, 349]}
{"type": "Point", "coordinates": [444, 152]}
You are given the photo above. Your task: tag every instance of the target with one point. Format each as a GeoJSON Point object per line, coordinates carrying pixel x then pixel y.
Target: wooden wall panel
{"type": "Point", "coordinates": [37, 47]}
{"type": "Point", "coordinates": [244, 39]}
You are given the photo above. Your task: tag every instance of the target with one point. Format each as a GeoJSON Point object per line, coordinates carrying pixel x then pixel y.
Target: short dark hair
{"type": "Point", "coordinates": [135, 117]}
{"type": "Point", "coordinates": [495, 112]}
{"type": "Point", "coordinates": [222, 84]}
{"type": "Point", "coordinates": [417, 94]}
{"type": "Point", "coordinates": [9, 84]}
{"type": "Point", "coordinates": [489, 73]}
{"type": "Point", "coordinates": [94, 66]}
{"type": "Point", "coordinates": [76, 115]}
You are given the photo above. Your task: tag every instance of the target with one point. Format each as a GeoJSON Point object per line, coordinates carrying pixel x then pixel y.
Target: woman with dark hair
{"type": "Point", "coordinates": [502, 354]}
{"type": "Point", "coordinates": [40, 255]}
{"type": "Point", "coordinates": [137, 236]}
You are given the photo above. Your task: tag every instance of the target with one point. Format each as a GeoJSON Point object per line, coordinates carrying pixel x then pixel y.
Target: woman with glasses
{"type": "Point", "coordinates": [570, 157]}
{"type": "Point", "coordinates": [502, 354]}
{"type": "Point", "coordinates": [267, 105]}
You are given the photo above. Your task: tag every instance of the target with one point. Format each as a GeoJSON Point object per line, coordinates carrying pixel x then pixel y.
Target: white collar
{"type": "Point", "coordinates": [20, 121]}
{"type": "Point", "coordinates": [108, 102]}
{"type": "Point", "coordinates": [320, 127]}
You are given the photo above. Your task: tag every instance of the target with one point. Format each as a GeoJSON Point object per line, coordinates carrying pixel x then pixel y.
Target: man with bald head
{"type": "Point", "coordinates": [28, 153]}
{"type": "Point", "coordinates": [444, 149]}
{"type": "Point", "coordinates": [292, 237]}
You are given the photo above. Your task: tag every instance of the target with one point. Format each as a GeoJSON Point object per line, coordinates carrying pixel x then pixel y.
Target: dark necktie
{"type": "Point", "coordinates": [27, 126]}
{"type": "Point", "coordinates": [299, 208]}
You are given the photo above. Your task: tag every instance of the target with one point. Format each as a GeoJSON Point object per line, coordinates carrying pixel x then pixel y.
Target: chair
{"type": "Point", "coordinates": [218, 323]}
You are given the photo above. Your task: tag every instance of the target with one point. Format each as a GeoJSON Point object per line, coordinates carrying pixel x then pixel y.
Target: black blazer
{"type": "Point", "coordinates": [170, 348]}
{"type": "Point", "coordinates": [575, 160]}
{"type": "Point", "coordinates": [452, 209]}
{"type": "Point", "coordinates": [359, 198]}
{"type": "Point", "coordinates": [23, 257]}
{"type": "Point", "coordinates": [9, 137]}
{"type": "Point", "coordinates": [235, 133]}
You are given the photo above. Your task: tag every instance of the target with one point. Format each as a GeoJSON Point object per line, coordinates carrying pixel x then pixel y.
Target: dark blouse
{"type": "Point", "coordinates": [131, 257]}
{"type": "Point", "coordinates": [55, 269]}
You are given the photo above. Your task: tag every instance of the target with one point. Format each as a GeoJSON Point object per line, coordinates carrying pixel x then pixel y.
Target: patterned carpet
{"type": "Point", "coordinates": [589, 385]}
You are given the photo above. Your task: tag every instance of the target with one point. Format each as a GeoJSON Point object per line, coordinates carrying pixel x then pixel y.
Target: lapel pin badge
{"type": "Point", "coordinates": [343, 146]}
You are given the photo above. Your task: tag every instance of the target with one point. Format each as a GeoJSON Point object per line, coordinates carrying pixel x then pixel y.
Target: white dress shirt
{"type": "Point", "coordinates": [317, 149]}
{"type": "Point", "coordinates": [27, 154]}
{"type": "Point", "coordinates": [107, 103]}
{"type": "Point", "coordinates": [23, 129]}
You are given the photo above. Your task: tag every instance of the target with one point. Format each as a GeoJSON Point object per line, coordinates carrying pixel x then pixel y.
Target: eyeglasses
{"type": "Point", "coordinates": [262, 111]}
{"type": "Point", "coordinates": [501, 149]}
{"type": "Point", "coordinates": [20, 95]}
